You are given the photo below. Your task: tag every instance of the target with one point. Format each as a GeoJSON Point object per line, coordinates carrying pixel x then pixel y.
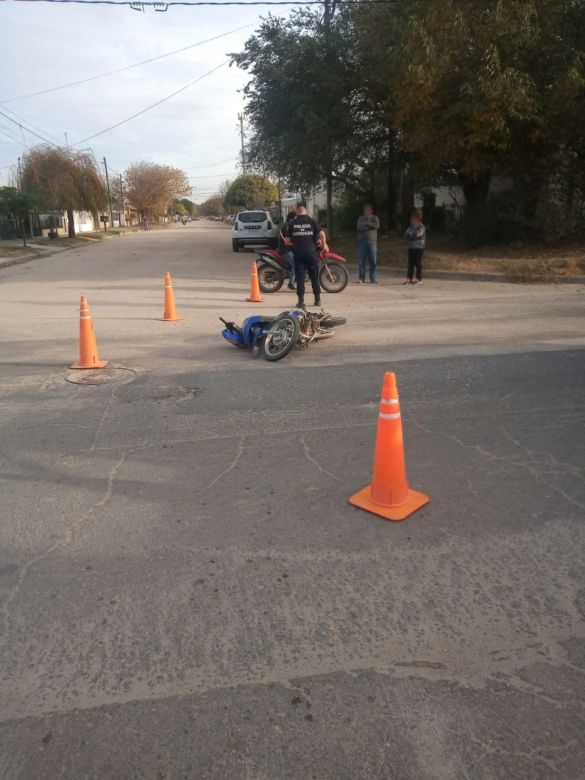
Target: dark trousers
{"type": "Point", "coordinates": [306, 262]}
{"type": "Point", "coordinates": [415, 257]}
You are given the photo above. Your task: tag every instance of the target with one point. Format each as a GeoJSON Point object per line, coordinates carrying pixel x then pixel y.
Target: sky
{"type": "Point", "coordinates": [44, 45]}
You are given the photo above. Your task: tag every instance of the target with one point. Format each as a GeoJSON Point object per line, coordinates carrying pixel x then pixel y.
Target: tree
{"type": "Point", "coordinates": [299, 99]}
{"type": "Point", "coordinates": [18, 204]}
{"type": "Point", "coordinates": [251, 190]}
{"type": "Point", "coordinates": [469, 86]}
{"type": "Point", "coordinates": [188, 205]}
{"type": "Point", "coordinates": [65, 180]}
{"type": "Point", "coordinates": [213, 207]}
{"type": "Point", "coordinates": [179, 209]}
{"type": "Point", "coordinates": [152, 188]}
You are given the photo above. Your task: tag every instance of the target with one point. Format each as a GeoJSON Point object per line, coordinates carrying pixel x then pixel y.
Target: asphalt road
{"type": "Point", "coordinates": [186, 592]}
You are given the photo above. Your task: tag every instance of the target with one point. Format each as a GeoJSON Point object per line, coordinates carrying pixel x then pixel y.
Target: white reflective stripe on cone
{"type": "Point", "coordinates": [389, 416]}
{"type": "Point", "coordinates": [389, 400]}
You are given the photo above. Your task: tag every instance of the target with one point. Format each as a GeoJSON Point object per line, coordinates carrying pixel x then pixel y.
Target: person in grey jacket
{"type": "Point", "coordinates": [367, 229]}
{"type": "Point", "coordinates": [416, 237]}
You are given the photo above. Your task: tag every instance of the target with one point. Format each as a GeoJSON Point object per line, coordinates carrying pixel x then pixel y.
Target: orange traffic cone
{"type": "Point", "coordinates": [170, 309]}
{"type": "Point", "coordinates": [254, 286]}
{"type": "Point", "coordinates": [88, 351]}
{"type": "Point", "coordinates": [389, 494]}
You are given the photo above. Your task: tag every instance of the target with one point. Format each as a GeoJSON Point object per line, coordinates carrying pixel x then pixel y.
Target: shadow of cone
{"type": "Point", "coordinates": [170, 313]}
{"type": "Point", "coordinates": [389, 494]}
{"type": "Point", "coordinates": [254, 286]}
{"type": "Point", "coordinates": [88, 351]}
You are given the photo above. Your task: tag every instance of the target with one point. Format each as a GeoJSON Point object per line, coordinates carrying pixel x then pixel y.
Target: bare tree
{"type": "Point", "coordinates": [152, 188]}
{"type": "Point", "coordinates": [66, 180]}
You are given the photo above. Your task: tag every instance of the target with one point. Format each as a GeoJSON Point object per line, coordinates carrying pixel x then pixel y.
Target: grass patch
{"type": "Point", "coordinates": [519, 263]}
{"type": "Point", "coordinates": [16, 251]}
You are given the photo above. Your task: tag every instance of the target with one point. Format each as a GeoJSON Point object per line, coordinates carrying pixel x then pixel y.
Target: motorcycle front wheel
{"type": "Point", "coordinates": [283, 336]}
{"type": "Point", "coordinates": [269, 279]}
{"type": "Point", "coordinates": [333, 277]}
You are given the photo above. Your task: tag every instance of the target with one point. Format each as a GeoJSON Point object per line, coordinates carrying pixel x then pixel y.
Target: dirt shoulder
{"type": "Point", "coordinates": [517, 263]}
{"type": "Point", "coordinates": [12, 253]}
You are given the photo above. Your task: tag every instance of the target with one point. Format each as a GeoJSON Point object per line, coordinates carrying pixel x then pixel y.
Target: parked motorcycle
{"type": "Point", "coordinates": [275, 337]}
{"type": "Point", "coordinates": [274, 271]}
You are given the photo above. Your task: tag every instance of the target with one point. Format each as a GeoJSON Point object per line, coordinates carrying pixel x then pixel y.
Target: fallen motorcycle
{"type": "Point", "coordinates": [274, 337]}
{"type": "Point", "coordinates": [274, 271]}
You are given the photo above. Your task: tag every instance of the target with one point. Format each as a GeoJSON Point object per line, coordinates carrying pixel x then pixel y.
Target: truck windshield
{"type": "Point", "coordinates": [251, 216]}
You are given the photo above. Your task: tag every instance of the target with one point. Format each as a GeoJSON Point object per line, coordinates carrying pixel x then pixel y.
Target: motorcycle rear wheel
{"type": "Point", "coordinates": [277, 345]}
{"type": "Point", "coordinates": [333, 277]}
{"type": "Point", "coordinates": [269, 279]}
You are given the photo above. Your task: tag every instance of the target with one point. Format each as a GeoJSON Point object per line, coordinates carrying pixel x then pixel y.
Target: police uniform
{"type": "Point", "coordinates": [303, 230]}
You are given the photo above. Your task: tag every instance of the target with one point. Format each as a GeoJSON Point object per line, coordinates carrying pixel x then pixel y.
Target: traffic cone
{"type": "Point", "coordinates": [88, 351]}
{"type": "Point", "coordinates": [389, 494]}
{"type": "Point", "coordinates": [170, 309]}
{"type": "Point", "coordinates": [254, 286]}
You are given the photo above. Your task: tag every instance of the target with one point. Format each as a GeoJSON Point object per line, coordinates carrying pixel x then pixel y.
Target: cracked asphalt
{"type": "Point", "coordinates": [186, 591]}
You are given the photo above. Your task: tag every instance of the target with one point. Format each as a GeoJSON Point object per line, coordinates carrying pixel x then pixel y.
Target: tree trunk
{"type": "Point", "coordinates": [391, 195]}
{"type": "Point", "coordinates": [475, 189]}
{"type": "Point", "coordinates": [330, 205]}
{"type": "Point", "coordinates": [23, 225]}
{"type": "Point", "coordinates": [70, 223]}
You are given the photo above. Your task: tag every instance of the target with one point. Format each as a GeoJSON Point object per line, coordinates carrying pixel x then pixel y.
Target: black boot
{"type": "Point", "coordinates": [317, 301]}
{"type": "Point", "coordinates": [301, 304]}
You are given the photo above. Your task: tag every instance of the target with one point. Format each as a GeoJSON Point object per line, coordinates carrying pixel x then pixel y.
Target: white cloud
{"type": "Point", "coordinates": [67, 42]}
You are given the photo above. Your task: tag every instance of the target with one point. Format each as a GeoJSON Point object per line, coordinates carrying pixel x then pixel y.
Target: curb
{"type": "Point", "coordinates": [485, 276]}
{"type": "Point", "coordinates": [28, 258]}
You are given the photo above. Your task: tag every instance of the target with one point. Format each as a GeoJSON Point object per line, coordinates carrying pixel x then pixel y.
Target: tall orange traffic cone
{"type": "Point", "coordinates": [389, 494]}
{"type": "Point", "coordinates": [170, 309]}
{"type": "Point", "coordinates": [254, 286]}
{"type": "Point", "coordinates": [88, 351]}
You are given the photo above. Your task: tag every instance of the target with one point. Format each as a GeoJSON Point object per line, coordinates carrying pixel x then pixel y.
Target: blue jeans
{"type": "Point", "coordinates": [367, 253]}
{"type": "Point", "coordinates": [290, 259]}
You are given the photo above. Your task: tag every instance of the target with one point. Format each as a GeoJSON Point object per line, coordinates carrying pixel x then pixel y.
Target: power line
{"type": "Point", "coordinates": [148, 108]}
{"type": "Point", "coordinates": [127, 67]}
{"type": "Point", "coordinates": [210, 165]}
{"type": "Point", "coordinates": [211, 175]}
{"type": "Point", "coordinates": [162, 5]}
{"type": "Point", "coordinates": [11, 137]}
{"type": "Point", "coordinates": [28, 122]}
{"type": "Point", "coordinates": [20, 124]}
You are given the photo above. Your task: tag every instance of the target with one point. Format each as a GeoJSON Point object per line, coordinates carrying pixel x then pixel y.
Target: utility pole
{"type": "Point", "coordinates": [328, 12]}
{"type": "Point", "coordinates": [109, 194]}
{"type": "Point", "coordinates": [327, 16]}
{"type": "Point", "coordinates": [241, 121]}
{"type": "Point", "coordinates": [122, 212]}
{"type": "Point", "coordinates": [66, 140]}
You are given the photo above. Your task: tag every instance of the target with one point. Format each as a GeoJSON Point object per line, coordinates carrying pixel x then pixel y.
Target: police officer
{"type": "Point", "coordinates": [305, 236]}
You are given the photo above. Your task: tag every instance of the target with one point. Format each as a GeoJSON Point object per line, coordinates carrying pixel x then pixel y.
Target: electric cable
{"type": "Point", "coordinates": [153, 105]}
{"type": "Point", "coordinates": [127, 67]}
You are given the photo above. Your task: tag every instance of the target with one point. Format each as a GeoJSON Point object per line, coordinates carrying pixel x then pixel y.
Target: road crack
{"type": "Point", "coordinates": [316, 463]}
{"type": "Point", "coordinates": [65, 539]}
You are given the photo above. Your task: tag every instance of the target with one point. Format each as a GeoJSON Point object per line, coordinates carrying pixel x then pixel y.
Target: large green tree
{"type": "Point", "coordinates": [251, 190]}
{"type": "Point", "coordinates": [298, 99]}
{"type": "Point", "coordinates": [478, 89]}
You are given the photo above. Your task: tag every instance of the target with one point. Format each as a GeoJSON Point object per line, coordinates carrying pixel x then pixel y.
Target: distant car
{"type": "Point", "coordinates": [253, 228]}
